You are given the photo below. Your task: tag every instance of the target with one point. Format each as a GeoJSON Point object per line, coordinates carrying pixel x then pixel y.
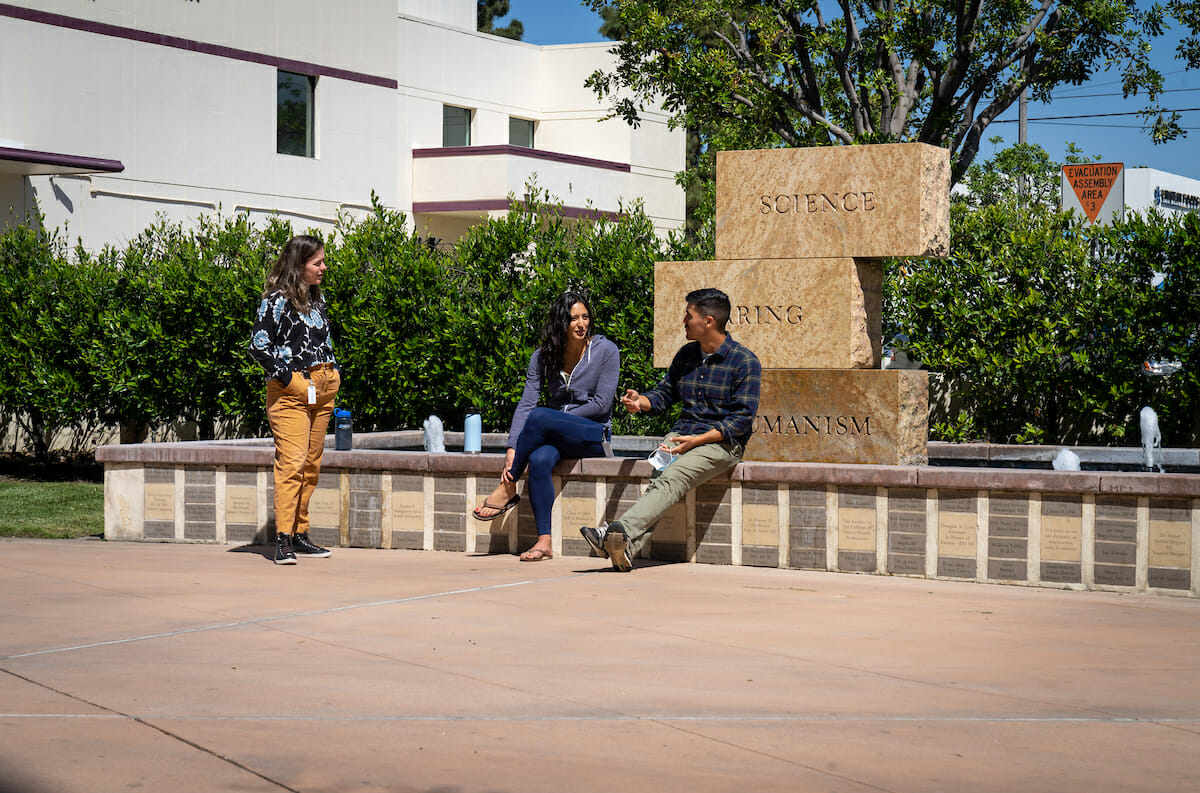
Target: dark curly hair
{"type": "Point", "coordinates": [287, 275]}
{"type": "Point", "coordinates": [554, 331]}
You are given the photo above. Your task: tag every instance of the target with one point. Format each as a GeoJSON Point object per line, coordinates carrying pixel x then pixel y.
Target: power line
{"type": "Point", "coordinates": [1105, 126]}
{"type": "Point", "coordinates": [1091, 84]}
{"type": "Point", "coordinates": [1117, 93]}
{"type": "Point", "coordinates": [1095, 115]}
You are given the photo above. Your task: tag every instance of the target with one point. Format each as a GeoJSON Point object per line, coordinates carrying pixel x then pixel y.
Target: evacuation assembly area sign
{"type": "Point", "coordinates": [1096, 189]}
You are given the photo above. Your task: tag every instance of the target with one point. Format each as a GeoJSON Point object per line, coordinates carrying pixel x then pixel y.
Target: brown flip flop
{"type": "Point", "coordinates": [512, 502]}
{"type": "Point", "coordinates": [541, 555]}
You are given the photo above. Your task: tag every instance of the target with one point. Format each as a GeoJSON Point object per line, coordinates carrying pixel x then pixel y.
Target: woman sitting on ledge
{"type": "Point", "coordinates": [574, 372]}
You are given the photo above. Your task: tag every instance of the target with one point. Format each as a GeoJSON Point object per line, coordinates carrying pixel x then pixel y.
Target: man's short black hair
{"type": "Point", "coordinates": [712, 303]}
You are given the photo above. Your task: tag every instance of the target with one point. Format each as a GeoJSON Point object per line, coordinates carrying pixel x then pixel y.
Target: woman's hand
{"type": "Point", "coordinates": [506, 474]}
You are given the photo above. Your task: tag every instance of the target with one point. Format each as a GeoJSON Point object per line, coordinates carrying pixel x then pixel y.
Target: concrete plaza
{"type": "Point", "coordinates": [175, 667]}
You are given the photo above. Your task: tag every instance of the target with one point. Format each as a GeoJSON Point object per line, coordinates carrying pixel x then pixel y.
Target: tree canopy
{"type": "Point", "coordinates": [487, 11]}
{"type": "Point", "coordinates": [819, 72]}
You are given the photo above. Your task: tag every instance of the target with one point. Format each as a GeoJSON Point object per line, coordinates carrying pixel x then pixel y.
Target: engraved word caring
{"type": "Point", "coordinates": [767, 315]}
{"type": "Point", "coordinates": [810, 203]}
{"type": "Point", "coordinates": [822, 425]}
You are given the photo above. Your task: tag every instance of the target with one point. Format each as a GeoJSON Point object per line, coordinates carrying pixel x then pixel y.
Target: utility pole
{"type": "Point", "coordinates": [1022, 137]}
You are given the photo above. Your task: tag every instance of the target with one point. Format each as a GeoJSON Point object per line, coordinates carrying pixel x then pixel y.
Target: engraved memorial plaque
{"type": "Point", "coordinates": [856, 529]}
{"type": "Point", "coordinates": [577, 512]}
{"type": "Point", "coordinates": [760, 524]}
{"type": "Point", "coordinates": [324, 509]}
{"type": "Point", "coordinates": [957, 535]}
{"type": "Point", "coordinates": [1170, 543]}
{"type": "Point", "coordinates": [672, 526]}
{"type": "Point", "coordinates": [408, 510]}
{"type": "Point", "coordinates": [160, 501]}
{"type": "Point", "coordinates": [241, 504]}
{"type": "Point", "coordinates": [1062, 538]}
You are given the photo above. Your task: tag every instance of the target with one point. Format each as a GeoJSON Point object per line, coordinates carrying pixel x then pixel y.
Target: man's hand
{"type": "Point", "coordinates": [635, 402]}
{"type": "Point", "coordinates": [685, 443]}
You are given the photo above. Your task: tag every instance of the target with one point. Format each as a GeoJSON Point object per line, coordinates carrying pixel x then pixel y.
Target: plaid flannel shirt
{"type": "Point", "coordinates": [720, 393]}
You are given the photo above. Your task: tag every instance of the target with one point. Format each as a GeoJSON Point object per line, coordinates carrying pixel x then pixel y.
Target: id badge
{"type": "Point", "coordinates": [312, 394]}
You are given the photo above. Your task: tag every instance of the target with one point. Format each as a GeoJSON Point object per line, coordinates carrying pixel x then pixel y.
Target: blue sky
{"type": "Point", "coordinates": [1113, 138]}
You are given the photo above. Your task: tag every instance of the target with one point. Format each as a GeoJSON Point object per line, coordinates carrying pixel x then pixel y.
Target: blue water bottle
{"type": "Point", "coordinates": [473, 432]}
{"type": "Point", "coordinates": [343, 430]}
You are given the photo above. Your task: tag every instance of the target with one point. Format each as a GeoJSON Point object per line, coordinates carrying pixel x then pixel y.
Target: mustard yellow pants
{"type": "Point", "coordinates": [299, 431]}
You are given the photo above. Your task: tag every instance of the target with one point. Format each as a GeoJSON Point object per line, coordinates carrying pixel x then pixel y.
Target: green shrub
{"type": "Point", "coordinates": [173, 328]}
{"type": "Point", "coordinates": [387, 291]}
{"type": "Point", "coordinates": [1041, 325]}
{"type": "Point", "coordinates": [47, 307]}
{"type": "Point", "coordinates": [155, 332]}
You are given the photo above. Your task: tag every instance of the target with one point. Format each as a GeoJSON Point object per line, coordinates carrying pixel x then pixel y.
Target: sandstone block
{"type": "Point", "coordinates": [858, 201]}
{"type": "Point", "coordinates": [793, 313]}
{"type": "Point", "coordinates": [864, 416]}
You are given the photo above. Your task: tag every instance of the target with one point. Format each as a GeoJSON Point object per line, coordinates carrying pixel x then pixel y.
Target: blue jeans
{"type": "Point", "coordinates": [547, 437]}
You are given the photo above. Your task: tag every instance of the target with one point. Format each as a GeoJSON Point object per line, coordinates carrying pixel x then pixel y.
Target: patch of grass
{"type": "Point", "coordinates": [50, 510]}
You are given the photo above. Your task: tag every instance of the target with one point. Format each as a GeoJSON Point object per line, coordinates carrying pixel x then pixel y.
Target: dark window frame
{"type": "Point", "coordinates": [295, 114]}
{"type": "Point", "coordinates": [453, 119]}
{"type": "Point", "coordinates": [523, 124]}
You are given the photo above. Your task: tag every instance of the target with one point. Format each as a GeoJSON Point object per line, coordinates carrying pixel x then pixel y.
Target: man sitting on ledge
{"type": "Point", "coordinates": [717, 381]}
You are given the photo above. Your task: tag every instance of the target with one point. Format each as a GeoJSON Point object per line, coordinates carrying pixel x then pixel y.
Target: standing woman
{"type": "Point", "coordinates": [291, 341]}
{"type": "Point", "coordinates": [574, 374]}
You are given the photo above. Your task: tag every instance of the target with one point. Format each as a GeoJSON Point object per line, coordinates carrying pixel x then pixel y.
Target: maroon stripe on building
{"type": "Point", "coordinates": [71, 161]}
{"type": "Point", "coordinates": [520, 151]}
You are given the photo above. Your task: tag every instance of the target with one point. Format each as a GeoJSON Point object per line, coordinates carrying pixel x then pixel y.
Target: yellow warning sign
{"type": "Point", "coordinates": [1091, 183]}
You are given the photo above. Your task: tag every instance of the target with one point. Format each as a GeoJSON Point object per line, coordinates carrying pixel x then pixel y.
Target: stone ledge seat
{"type": "Point", "coordinates": [1108, 530]}
{"type": "Point", "coordinates": [258, 453]}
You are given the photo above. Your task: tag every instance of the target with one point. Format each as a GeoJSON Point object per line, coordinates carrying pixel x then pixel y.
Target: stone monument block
{"type": "Point", "coordinates": [793, 313]}
{"type": "Point", "coordinates": [842, 416]}
{"type": "Point", "coordinates": [856, 201]}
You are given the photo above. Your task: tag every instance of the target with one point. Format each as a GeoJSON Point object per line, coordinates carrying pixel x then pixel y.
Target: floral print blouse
{"type": "Point", "coordinates": [284, 340]}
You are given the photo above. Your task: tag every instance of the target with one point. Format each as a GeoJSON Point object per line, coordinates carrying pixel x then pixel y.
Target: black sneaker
{"type": "Point", "coordinates": [306, 547]}
{"type": "Point", "coordinates": [283, 549]}
{"type": "Point", "coordinates": [616, 544]}
{"type": "Point", "coordinates": [595, 538]}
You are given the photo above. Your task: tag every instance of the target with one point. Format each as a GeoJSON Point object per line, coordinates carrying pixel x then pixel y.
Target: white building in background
{"type": "Point", "coordinates": [1147, 188]}
{"type": "Point", "coordinates": [115, 111]}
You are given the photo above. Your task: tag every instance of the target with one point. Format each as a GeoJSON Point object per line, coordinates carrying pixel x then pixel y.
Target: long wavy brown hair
{"type": "Point", "coordinates": [287, 276]}
{"type": "Point", "coordinates": [554, 332]}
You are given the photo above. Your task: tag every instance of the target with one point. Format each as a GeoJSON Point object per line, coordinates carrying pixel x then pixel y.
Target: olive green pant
{"type": "Point", "coordinates": [691, 469]}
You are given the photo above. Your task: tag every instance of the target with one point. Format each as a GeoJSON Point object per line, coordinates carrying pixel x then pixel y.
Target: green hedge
{"type": "Point", "coordinates": [1039, 324]}
{"type": "Point", "coordinates": [155, 332]}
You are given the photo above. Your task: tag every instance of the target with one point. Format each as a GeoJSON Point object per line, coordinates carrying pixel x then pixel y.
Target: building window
{"type": "Point", "coordinates": [520, 132]}
{"type": "Point", "coordinates": [456, 126]}
{"type": "Point", "coordinates": [294, 113]}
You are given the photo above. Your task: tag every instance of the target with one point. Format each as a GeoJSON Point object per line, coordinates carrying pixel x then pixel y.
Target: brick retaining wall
{"type": "Point", "coordinates": [1134, 532]}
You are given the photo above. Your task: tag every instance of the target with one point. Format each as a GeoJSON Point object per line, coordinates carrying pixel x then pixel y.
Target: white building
{"type": "Point", "coordinates": [113, 111]}
{"type": "Point", "coordinates": [1147, 188]}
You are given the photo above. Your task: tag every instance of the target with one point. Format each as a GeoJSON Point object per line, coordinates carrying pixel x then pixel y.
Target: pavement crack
{"type": "Point", "coordinates": [768, 755]}
{"type": "Point", "coordinates": [162, 730]}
